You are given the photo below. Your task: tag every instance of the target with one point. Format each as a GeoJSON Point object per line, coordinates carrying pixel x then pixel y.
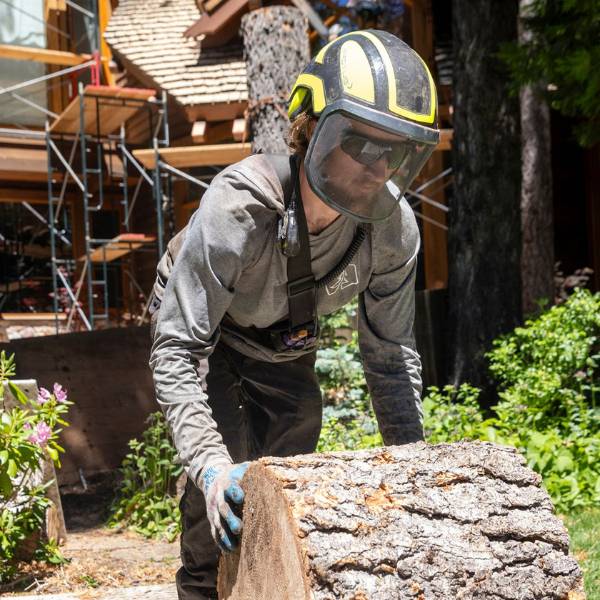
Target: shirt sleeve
{"type": "Point", "coordinates": [386, 317]}
{"type": "Point", "coordinates": [220, 243]}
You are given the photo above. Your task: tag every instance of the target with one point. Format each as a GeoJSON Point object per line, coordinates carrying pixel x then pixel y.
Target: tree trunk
{"type": "Point", "coordinates": [277, 49]}
{"type": "Point", "coordinates": [537, 260]}
{"type": "Point", "coordinates": [484, 220]}
{"type": "Point", "coordinates": [465, 520]}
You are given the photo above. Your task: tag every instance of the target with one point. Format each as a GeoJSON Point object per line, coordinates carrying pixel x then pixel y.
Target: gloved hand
{"type": "Point", "coordinates": [220, 484]}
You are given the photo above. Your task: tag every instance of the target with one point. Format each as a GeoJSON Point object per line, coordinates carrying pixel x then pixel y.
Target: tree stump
{"type": "Point", "coordinates": [467, 520]}
{"type": "Point", "coordinates": [277, 49]}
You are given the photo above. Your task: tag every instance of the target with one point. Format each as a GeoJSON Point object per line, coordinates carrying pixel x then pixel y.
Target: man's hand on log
{"type": "Point", "coordinates": [220, 484]}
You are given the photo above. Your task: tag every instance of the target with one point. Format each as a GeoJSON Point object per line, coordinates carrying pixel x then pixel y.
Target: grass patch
{"type": "Point", "coordinates": [584, 529]}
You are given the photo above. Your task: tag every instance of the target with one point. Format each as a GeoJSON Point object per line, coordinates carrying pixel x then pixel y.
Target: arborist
{"type": "Point", "coordinates": [276, 243]}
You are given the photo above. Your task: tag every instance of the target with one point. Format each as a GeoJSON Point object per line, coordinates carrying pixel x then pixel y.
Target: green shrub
{"type": "Point", "coordinates": [28, 434]}
{"type": "Point", "coordinates": [348, 419]}
{"type": "Point", "coordinates": [146, 501]}
{"type": "Point", "coordinates": [548, 382]}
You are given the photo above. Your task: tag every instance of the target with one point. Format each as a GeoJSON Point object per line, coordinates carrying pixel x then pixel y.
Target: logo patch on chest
{"type": "Point", "coordinates": [347, 278]}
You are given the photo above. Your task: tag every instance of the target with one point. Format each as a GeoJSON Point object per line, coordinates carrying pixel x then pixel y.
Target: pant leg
{"type": "Point", "coordinates": [284, 406]}
{"type": "Point", "coordinates": [196, 579]}
{"type": "Point", "coordinates": [261, 409]}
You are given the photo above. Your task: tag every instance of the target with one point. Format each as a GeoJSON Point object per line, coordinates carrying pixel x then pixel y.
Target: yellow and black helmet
{"type": "Point", "coordinates": [360, 80]}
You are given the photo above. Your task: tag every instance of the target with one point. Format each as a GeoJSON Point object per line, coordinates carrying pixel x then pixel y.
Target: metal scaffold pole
{"type": "Point", "coordinates": [83, 149]}
{"type": "Point", "coordinates": [52, 233]}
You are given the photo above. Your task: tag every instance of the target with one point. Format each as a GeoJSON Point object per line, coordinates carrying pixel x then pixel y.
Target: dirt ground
{"type": "Point", "coordinates": [97, 557]}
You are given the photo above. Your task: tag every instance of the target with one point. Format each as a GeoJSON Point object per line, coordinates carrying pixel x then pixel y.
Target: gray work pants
{"type": "Point", "coordinates": [261, 409]}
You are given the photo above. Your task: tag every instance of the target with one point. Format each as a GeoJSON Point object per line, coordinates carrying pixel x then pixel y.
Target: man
{"type": "Point", "coordinates": [275, 244]}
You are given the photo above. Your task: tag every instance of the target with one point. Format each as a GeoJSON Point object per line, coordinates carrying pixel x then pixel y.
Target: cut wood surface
{"type": "Point", "coordinates": [467, 520]}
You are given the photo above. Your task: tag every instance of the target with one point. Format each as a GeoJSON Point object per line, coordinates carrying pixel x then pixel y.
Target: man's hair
{"type": "Point", "coordinates": [299, 133]}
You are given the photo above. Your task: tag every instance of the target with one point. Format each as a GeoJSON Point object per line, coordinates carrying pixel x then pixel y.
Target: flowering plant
{"type": "Point", "coordinates": [28, 434]}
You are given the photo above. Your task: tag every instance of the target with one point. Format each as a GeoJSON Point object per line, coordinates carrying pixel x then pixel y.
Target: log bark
{"type": "Point", "coordinates": [484, 238]}
{"type": "Point", "coordinates": [466, 520]}
{"type": "Point", "coordinates": [277, 49]}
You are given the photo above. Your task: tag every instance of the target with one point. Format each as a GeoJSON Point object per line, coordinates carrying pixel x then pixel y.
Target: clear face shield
{"type": "Point", "coordinates": [361, 170]}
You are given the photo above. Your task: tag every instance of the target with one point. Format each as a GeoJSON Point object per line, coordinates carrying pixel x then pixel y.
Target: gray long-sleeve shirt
{"type": "Point", "coordinates": [230, 267]}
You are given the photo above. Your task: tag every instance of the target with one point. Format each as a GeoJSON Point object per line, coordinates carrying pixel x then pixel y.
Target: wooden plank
{"type": "Point", "coordinates": [446, 136]}
{"type": "Point", "coordinates": [17, 195]}
{"type": "Point", "coordinates": [119, 246]}
{"type": "Point", "coordinates": [240, 130]}
{"type": "Point", "coordinates": [104, 14]}
{"type": "Point", "coordinates": [109, 116]}
{"type": "Point", "coordinates": [23, 164]}
{"type": "Point", "coordinates": [55, 12]}
{"type": "Point", "coordinates": [220, 111]}
{"type": "Point", "coordinates": [434, 238]}
{"type": "Point", "coordinates": [199, 132]}
{"type": "Point", "coordinates": [196, 156]}
{"type": "Point", "coordinates": [209, 25]}
{"type": "Point", "coordinates": [43, 55]}
{"type": "Point", "coordinates": [128, 93]}
{"type": "Point", "coordinates": [38, 316]}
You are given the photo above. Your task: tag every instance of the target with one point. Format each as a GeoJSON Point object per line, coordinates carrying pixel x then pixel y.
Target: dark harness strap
{"type": "Point", "coordinates": [294, 240]}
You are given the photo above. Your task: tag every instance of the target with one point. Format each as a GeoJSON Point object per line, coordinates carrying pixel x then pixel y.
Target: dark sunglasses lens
{"type": "Point", "coordinates": [353, 146]}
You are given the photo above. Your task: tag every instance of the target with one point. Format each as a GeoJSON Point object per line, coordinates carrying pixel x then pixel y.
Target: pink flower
{"type": "Point", "coordinates": [59, 393]}
{"type": "Point", "coordinates": [41, 435]}
{"type": "Point", "coordinates": [43, 395]}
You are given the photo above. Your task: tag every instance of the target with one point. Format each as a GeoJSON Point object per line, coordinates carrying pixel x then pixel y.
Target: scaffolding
{"type": "Point", "coordinates": [84, 144]}
{"type": "Point", "coordinates": [92, 132]}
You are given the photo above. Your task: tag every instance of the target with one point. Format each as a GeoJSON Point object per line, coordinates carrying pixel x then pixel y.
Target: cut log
{"type": "Point", "coordinates": [277, 49]}
{"type": "Point", "coordinates": [466, 520]}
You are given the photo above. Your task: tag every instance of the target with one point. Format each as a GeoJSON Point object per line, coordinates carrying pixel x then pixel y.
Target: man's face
{"type": "Point", "coordinates": [352, 177]}
{"type": "Point", "coordinates": [350, 165]}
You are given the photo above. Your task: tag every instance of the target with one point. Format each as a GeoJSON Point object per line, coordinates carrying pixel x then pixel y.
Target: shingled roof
{"type": "Point", "coordinates": [147, 37]}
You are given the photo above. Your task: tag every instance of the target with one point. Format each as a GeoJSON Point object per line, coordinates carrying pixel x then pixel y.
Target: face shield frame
{"type": "Point", "coordinates": [412, 132]}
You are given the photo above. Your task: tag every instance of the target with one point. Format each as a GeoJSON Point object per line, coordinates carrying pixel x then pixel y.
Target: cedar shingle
{"type": "Point", "coordinates": [149, 34]}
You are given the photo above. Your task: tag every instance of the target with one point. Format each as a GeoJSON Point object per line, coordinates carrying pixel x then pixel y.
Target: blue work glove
{"type": "Point", "coordinates": [220, 484]}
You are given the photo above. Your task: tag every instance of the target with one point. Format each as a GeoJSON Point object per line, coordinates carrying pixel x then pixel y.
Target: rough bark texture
{"type": "Point", "coordinates": [464, 520]}
{"type": "Point", "coordinates": [484, 219]}
{"type": "Point", "coordinates": [537, 259]}
{"type": "Point", "coordinates": [277, 49]}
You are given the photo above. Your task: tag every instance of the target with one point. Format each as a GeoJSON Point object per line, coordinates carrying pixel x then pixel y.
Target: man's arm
{"type": "Point", "coordinates": [221, 241]}
{"type": "Point", "coordinates": [391, 363]}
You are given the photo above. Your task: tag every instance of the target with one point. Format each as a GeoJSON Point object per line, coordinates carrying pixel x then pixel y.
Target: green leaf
{"type": "Point", "coordinates": [52, 453]}
{"type": "Point", "coordinates": [12, 468]}
{"type": "Point", "coordinates": [18, 393]}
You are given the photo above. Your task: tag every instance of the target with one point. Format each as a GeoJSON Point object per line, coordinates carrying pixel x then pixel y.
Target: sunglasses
{"type": "Point", "coordinates": [367, 151]}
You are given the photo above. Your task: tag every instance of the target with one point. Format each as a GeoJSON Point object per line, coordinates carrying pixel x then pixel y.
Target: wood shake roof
{"type": "Point", "coordinates": [147, 36]}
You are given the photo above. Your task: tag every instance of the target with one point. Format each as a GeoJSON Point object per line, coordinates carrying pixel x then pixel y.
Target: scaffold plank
{"type": "Point", "coordinates": [32, 316]}
{"type": "Point", "coordinates": [445, 139]}
{"type": "Point", "coordinates": [102, 115]}
{"type": "Point", "coordinates": [119, 246]}
{"type": "Point", "coordinates": [43, 55]}
{"type": "Point", "coordinates": [196, 156]}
